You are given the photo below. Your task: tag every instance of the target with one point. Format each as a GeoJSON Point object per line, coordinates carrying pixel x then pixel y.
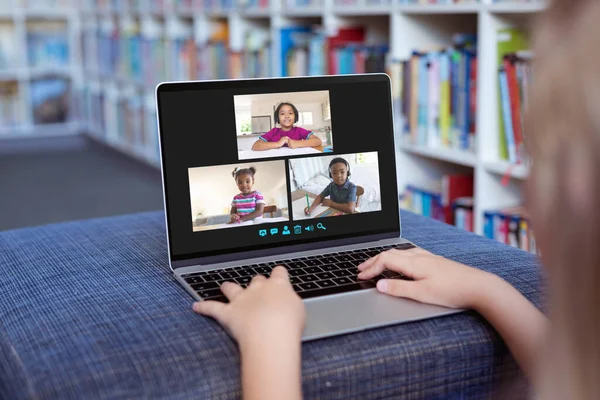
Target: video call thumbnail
{"type": "Point", "coordinates": [283, 124]}
{"type": "Point", "coordinates": [234, 195]}
{"type": "Point", "coordinates": [334, 185]}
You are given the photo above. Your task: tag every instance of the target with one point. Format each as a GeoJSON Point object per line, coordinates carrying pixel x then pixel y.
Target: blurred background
{"type": "Point", "coordinates": [78, 134]}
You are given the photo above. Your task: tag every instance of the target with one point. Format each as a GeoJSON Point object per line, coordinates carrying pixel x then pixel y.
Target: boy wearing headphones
{"type": "Point", "coordinates": [286, 115]}
{"type": "Point", "coordinates": [341, 192]}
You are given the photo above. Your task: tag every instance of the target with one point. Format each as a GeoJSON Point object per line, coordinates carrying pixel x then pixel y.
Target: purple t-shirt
{"type": "Point", "coordinates": [296, 133]}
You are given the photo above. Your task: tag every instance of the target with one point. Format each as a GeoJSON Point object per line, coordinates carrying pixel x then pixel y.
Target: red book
{"type": "Point", "coordinates": [453, 187]}
{"type": "Point", "coordinates": [344, 36]}
{"type": "Point", "coordinates": [359, 62]}
{"type": "Point", "coordinates": [515, 102]}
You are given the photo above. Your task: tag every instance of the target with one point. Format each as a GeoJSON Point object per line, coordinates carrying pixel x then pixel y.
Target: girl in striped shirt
{"type": "Point", "coordinates": [248, 204]}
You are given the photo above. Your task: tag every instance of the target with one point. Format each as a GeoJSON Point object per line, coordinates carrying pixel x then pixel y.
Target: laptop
{"type": "Point", "coordinates": [299, 172]}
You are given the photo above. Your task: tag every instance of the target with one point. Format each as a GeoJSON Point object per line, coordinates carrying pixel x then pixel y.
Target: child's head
{"type": "Point", "coordinates": [286, 114]}
{"type": "Point", "coordinates": [339, 170]}
{"type": "Point", "coordinates": [563, 139]}
{"type": "Point", "coordinates": [244, 178]}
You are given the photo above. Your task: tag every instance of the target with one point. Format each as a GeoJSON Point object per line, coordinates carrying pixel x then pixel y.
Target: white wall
{"type": "Point", "coordinates": [213, 188]}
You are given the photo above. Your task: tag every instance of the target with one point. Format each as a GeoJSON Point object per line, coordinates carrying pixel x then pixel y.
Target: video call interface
{"type": "Point", "coordinates": [262, 165]}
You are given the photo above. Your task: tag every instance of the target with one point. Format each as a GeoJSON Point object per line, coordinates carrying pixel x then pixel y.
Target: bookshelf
{"type": "Point", "coordinates": [119, 104]}
{"type": "Point", "coordinates": [38, 68]}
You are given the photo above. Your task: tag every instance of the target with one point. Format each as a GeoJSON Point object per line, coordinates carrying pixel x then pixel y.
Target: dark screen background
{"type": "Point", "coordinates": [197, 126]}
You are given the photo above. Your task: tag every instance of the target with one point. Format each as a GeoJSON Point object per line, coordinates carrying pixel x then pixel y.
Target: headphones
{"type": "Point", "coordinates": [276, 115]}
{"type": "Point", "coordinates": [338, 160]}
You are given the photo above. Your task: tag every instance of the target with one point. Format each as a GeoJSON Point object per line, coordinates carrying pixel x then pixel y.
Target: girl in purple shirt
{"type": "Point", "coordinates": [286, 115]}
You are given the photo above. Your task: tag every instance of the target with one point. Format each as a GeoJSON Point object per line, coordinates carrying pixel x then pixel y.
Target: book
{"type": "Point", "coordinates": [50, 100]}
{"type": "Point", "coordinates": [345, 36]}
{"type": "Point", "coordinates": [454, 187]}
{"type": "Point", "coordinates": [509, 40]}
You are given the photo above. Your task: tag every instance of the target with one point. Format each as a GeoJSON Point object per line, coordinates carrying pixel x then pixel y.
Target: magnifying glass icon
{"type": "Point", "coordinates": [320, 226]}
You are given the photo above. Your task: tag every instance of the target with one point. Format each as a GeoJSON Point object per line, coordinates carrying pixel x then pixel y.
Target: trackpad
{"type": "Point", "coordinates": [366, 309]}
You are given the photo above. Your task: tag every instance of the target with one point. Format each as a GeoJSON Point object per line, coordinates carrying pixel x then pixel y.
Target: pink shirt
{"type": "Point", "coordinates": [296, 133]}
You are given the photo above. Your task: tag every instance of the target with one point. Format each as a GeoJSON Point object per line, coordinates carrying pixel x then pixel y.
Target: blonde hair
{"type": "Point", "coordinates": [563, 139]}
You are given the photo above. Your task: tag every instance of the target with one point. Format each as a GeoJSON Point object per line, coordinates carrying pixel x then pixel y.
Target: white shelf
{"type": "Point", "coordinates": [351, 10]}
{"type": "Point", "coordinates": [504, 168]}
{"type": "Point", "coordinates": [455, 156]}
{"type": "Point", "coordinates": [301, 12]}
{"type": "Point", "coordinates": [440, 8]}
{"type": "Point", "coordinates": [518, 8]}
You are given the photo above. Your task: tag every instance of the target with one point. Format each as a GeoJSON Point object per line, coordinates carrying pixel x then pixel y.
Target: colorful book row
{"type": "Point", "coordinates": [510, 226]}
{"type": "Point", "coordinates": [437, 95]}
{"type": "Point", "coordinates": [126, 119]}
{"type": "Point", "coordinates": [514, 79]}
{"type": "Point", "coordinates": [436, 199]}
{"type": "Point", "coordinates": [305, 50]}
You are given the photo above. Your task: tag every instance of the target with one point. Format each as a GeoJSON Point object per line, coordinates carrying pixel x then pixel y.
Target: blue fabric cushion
{"type": "Point", "coordinates": [90, 310]}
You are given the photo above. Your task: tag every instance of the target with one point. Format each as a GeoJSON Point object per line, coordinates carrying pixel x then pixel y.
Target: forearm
{"type": "Point", "coordinates": [262, 145]}
{"type": "Point", "coordinates": [271, 369]}
{"type": "Point", "coordinates": [315, 204]}
{"type": "Point", "coordinates": [521, 325]}
{"type": "Point", "coordinates": [254, 214]}
{"type": "Point", "coordinates": [313, 141]}
{"type": "Point", "coordinates": [348, 208]}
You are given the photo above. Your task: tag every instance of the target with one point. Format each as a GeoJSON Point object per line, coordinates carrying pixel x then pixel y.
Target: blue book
{"type": "Point", "coordinates": [290, 37]}
{"type": "Point", "coordinates": [507, 116]}
{"type": "Point", "coordinates": [426, 208]}
{"type": "Point", "coordinates": [488, 224]}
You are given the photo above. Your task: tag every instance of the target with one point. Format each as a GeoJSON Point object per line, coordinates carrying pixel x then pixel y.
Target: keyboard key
{"type": "Point", "coordinates": [372, 253]}
{"type": "Point", "coordinates": [328, 260]}
{"type": "Point", "coordinates": [263, 270]}
{"type": "Point", "coordinates": [295, 280]}
{"type": "Point", "coordinates": [345, 265]}
{"type": "Point", "coordinates": [336, 289]}
{"type": "Point", "coordinates": [360, 257]}
{"type": "Point", "coordinates": [313, 263]}
{"type": "Point", "coordinates": [204, 286]}
{"type": "Point", "coordinates": [296, 264]}
{"type": "Point", "coordinates": [342, 281]}
{"type": "Point", "coordinates": [326, 283]}
{"type": "Point", "coordinates": [194, 279]}
{"type": "Point", "coordinates": [247, 271]}
{"type": "Point", "coordinates": [229, 275]}
{"type": "Point", "coordinates": [330, 267]}
{"type": "Point", "coordinates": [313, 270]}
{"type": "Point", "coordinates": [344, 257]}
{"type": "Point", "coordinates": [325, 275]}
{"type": "Point", "coordinates": [296, 272]}
{"type": "Point", "coordinates": [308, 286]}
{"type": "Point", "coordinates": [212, 277]}
{"type": "Point", "coordinates": [209, 293]}
{"type": "Point", "coordinates": [309, 278]}
{"type": "Point", "coordinates": [243, 280]}
{"type": "Point", "coordinates": [342, 272]}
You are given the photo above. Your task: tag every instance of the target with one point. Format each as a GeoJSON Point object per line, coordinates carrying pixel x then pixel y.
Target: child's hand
{"type": "Point", "coordinates": [268, 308]}
{"type": "Point", "coordinates": [234, 218]}
{"type": "Point", "coordinates": [327, 203]}
{"type": "Point", "coordinates": [293, 144]}
{"type": "Point", "coordinates": [306, 211]}
{"type": "Point", "coordinates": [283, 141]}
{"type": "Point", "coordinates": [437, 280]}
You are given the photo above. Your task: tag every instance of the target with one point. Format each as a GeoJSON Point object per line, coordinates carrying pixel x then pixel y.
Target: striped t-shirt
{"type": "Point", "coordinates": [246, 204]}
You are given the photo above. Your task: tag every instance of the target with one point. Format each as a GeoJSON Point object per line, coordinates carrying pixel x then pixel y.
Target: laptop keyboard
{"type": "Point", "coordinates": [312, 276]}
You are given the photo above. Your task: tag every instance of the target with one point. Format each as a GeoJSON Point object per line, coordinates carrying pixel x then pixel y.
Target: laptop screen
{"type": "Point", "coordinates": [266, 164]}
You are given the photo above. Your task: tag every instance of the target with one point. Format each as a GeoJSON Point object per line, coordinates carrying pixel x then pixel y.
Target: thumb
{"type": "Point", "coordinates": [211, 308]}
{"type": "Point", "coordinates": [401, 288]}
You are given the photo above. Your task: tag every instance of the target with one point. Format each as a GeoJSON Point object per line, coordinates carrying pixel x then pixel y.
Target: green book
{"type": "Point", "coordinates": [509, 40]}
